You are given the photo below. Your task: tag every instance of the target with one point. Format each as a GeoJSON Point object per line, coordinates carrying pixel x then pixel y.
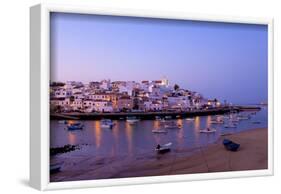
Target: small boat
{"type": "Point", "coordinates": [168, 117]}
{"type": "Point", "coordinates": [219, 117]}
{"type": "Point", "coordinates": [230, 145]}
{"type": "Point", "coordinates": [189, 119]}
{"type": "Point", "coordinates": [62, 122]}
{"type": "Point", "coordinates": [55, 168]}
{"type": "Point", "coordinates": [208, 130]}
{"type": "Point", "coordinates": [107, 124]}
{"type": "Point", "coordinates": [230, 126]}
{"type": "Point", "coordinates": [163, 148]}
{"type": "Point", "coordinates": [162, 120]}
{"type": "Point", "coordinates": [241, 117]}
{"type": "Point", "coordinates": [216, 122]}
{"type": "Point", "coordinates": [172, 126]}
{"type": "Point", "coordinates": [75, 126]}
{"type": "Point", "coordinates": [159, 131]}
{"type": "Point", "coordinates": [157, 118]}
{"type": "Point", "coordinates": [132, 120]}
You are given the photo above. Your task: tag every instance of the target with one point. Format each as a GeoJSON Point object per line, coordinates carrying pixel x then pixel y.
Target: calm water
{"type": "Point", "coordinates": [131, 140]}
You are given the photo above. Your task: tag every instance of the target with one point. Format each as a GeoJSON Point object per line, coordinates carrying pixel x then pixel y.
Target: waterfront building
{"type": "Point", "coordinates": [178, 102]}
{"type": "Point", "coordinates": [77, 104]}
{"type": "Point", "coordinates": [125, 103]}
{"type": "Point", "coordinates": [126, 90]}
{"type": "Point", "coordinates": [78, 95]}
{"type": "Point", "coordinates": [61, 93]}
{"type": "Point", "coordinates": [153, 106]}
{"type": "Point", "coordinates": [88, 105]}
{"type": "Point", "coordinates": [100, 96]}
{"type": "Point", "coordinates": [102, 106]}
{"type": "Point", "coordinates": [57, 101]}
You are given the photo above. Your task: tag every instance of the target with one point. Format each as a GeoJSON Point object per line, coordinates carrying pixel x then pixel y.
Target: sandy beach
{"type": "Point", "coordinates": [252, 155]}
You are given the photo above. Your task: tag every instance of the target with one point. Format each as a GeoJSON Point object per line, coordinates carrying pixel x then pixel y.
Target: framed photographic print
{"type": "Point", "coordinates": [133, 97]}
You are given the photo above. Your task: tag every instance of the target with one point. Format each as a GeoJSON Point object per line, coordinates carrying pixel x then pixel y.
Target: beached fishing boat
{"type": "Point", "coordinates": [208, 130]}
{"type": "Point", "coordinates": [75, 126]}
{"type": "Point", "coordinates": [132, 120]}
{"type": "Point", "coordinates": [163, 148]}
{"type": "Point", "coordinates": [230, 145]}
{"type": "Point", "coordinates": [107, 124]}
{"type": "Point", "coordinates": [159, 131]}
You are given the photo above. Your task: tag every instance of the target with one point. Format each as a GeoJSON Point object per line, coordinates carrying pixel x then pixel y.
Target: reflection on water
{"type": "Point", "coordinates": [72, 138]}
{"type": "Point", "coordinates": [129, 134]}
{"type": "Point", "coordinates": [197, 123]}
{"type": "Point", "coordinates": [130, 140]}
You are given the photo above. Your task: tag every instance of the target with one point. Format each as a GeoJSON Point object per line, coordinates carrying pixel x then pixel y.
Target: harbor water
{"type": "Point", "coordinates": [129, 140]}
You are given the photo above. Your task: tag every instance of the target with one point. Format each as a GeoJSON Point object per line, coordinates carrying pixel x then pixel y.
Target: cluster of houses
{"type": "Point", "coordinates": [124, 96]}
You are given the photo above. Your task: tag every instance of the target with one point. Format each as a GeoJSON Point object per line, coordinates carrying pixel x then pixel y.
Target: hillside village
{"type": "Point", "coordinates": [125, 96]}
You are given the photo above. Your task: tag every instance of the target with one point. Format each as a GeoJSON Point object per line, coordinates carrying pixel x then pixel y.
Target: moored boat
{"type": "Point", "coordinates": [75, 126]}
{"type": "Point", "coordinates": [62, 122]}
{"type": "Point", "coordinates": [168, 117]}
{"type": "Point", "coordinates": [172, 125]}
{"type": "Point", "coordinates": [132, 120]}
{"type": "Point", "coordinates": [107, 124]}
{"type": "Point", "coordinates": [216, 122]}
{"type": "Point", "coordinates": [159, 131]}
{"type": "Point", "coordinates": [157, 118]}
{"type": "Point", "coordinates": [230, 125]}
{"type": "Point", "coordinates": [208, 130]}
{"type": "Point", "coordinates": [163, 148]}
{"type": "Point", "coordinates": [242, 117]}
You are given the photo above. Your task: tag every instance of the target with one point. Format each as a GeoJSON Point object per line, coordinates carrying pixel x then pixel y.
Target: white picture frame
{"type": "Point", "coordinates": [39, 102]}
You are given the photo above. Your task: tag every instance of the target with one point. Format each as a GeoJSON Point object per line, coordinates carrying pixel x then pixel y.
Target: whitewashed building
{"type": "Point", "coordinates": [102, 106]}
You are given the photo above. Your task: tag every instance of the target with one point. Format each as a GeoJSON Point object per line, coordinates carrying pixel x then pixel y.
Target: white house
{"type": "Point", "coordinates": [105, 84]}
{"type": "Point", "coordinates": [178, 102]}
{"type": "Point", "coordinates": [126, 89]}
{"type": "Point", "coordinates": [77, 104]}
{"type": "Point", "coordinates": [102, 106]}
{"type": "Point", "coordinates": [156, 106]}
{"type": "Point", "coordinates": [62, 93]}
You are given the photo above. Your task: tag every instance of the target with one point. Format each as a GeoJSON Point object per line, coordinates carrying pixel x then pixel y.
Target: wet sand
{"type": "Point", "coordinates": [252, 155]}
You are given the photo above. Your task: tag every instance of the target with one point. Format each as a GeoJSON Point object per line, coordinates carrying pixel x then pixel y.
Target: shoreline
{"type": "Point", "coordinates": [252, 155]}
{"type": "Point", "coordinates": [150, 115]}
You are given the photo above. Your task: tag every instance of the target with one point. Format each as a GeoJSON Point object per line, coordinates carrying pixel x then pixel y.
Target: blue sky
{"type": "Point", "coordinates": [223, 60]}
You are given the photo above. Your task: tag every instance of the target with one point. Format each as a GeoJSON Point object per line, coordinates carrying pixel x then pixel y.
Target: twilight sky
{"type": "Point", "coordinates": [223, 60]}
